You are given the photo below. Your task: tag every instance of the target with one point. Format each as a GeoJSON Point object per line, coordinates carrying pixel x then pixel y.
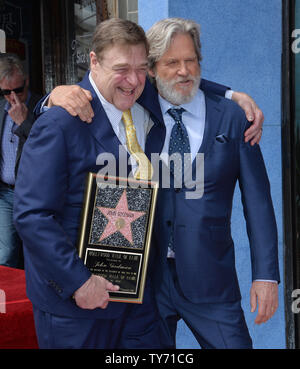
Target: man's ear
{"type": "Point", "coordinates": [93, 59]}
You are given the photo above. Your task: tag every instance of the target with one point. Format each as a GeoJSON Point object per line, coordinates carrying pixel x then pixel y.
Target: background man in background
{"type": "Point", "coordinates": [16, 118]}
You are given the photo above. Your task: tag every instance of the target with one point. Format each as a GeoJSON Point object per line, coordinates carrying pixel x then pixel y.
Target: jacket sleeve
{"type": "Point", "coordinates": [258, 211]}
{"type": "Point", "coordinates": [23, 130]}
{"type": "Point", "coordinates": [40, 192]}
{"type": "Point", "coordinates": [39, 109]}
{"type": "Point", "coordinates": [213, 87]}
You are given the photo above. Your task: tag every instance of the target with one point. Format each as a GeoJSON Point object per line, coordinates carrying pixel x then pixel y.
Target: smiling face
{"type": "Point", "coordinates": [120, 74]}
{"type": "Point", "coordinates": [177, 73]}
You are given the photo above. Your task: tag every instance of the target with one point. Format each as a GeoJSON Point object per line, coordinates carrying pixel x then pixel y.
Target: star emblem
{"type": "Point", "coordinates": [119, 219]}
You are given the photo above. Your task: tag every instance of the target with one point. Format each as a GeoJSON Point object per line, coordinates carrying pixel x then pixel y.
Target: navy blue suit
{"type": "Point", "coordinates": [205, 222]}
{"type": "Point", "coordinates": [203, 273]}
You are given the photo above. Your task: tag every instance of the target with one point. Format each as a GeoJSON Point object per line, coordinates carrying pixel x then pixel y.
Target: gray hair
{"type": "Point", "coordinates": [9, 65]}
{"type": "Point", "coordinates": [162, 32]}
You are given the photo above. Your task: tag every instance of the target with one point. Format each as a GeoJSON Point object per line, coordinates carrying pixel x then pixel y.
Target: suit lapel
{"type": "Point", "coordinates": [2, 115]}
{"type": "Point", "coordinates": [2, 119]}
{"type": "Point", "coordinates": [149, 100]}
{"type": "Point", "coordinates": [156, 136]}
{"type": "Point", "coordinates": [212, 121]}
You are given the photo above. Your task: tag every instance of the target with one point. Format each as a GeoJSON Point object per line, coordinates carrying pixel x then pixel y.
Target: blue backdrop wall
{"type": "Point", "coordinates": [241, 47]}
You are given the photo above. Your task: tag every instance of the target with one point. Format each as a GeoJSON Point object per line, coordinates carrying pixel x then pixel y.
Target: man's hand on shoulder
{"type": "Point", "coordinates": [74, 99]}
{"type": "Point", "coordinates": [253, 114]}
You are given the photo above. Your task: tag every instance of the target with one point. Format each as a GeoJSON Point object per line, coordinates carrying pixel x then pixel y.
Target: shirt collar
{"type": "Point", "coordinates": [114, 115]}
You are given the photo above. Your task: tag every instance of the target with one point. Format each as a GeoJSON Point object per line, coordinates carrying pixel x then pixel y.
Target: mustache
{"type": "Point", "coordinates": [167, 88]}
{"type": "Point", "coordinates": [185, 79]}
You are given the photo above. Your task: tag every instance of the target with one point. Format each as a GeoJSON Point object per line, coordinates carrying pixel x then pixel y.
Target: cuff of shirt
{"type": "Point", "coordinates": [228, 94]}
{"type": "Point", "coordinates": [265, 280]}
{"type": "Point", "coordinates": [44, 106]}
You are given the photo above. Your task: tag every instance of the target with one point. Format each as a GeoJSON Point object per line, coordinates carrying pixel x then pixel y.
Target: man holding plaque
{"type": "Point", "coordinates": [196, 278]}
{"type": "Point", "coordinates": [70, 304]}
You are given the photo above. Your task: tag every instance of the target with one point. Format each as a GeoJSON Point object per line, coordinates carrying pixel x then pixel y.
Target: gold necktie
{"type": "Point", "coordinates": [145, 169]}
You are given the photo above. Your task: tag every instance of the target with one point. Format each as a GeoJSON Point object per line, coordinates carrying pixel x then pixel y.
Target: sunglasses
{"type": "Point", "coordinates": [17, 90]}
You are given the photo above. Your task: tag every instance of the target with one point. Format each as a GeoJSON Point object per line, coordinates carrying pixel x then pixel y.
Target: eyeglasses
{"type": "Point", "coordinates": [17, 90]}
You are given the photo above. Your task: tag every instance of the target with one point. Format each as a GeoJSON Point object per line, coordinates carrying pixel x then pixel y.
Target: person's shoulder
{"type": "Point", "coordinates": [56, 113]}
{"type": "Point", "coordinates": [229, 106]}
{"type": "Point", "coordinates": [2, 101]}
{"type": "Point", "coordinates": [232, 114]}
{"type": "Point", "coordinates": [55, 120]}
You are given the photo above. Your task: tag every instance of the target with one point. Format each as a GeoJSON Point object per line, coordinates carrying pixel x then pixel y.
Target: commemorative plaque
{"type": "Point", "coordinates": [115, 232]}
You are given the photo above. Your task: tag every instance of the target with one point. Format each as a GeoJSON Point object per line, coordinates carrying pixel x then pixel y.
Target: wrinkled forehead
{"type": "Point", "coordinates": [131, 54]}
{"type": "Point", "coordinates": [120, 47]}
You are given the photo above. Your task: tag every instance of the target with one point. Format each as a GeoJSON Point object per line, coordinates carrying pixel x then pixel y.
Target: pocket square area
{"type": "Point", "coordinates": [222, 138]}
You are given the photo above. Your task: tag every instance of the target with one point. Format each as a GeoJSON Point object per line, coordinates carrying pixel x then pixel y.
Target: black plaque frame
{"type": "Point", "coordinates": [122, 256]}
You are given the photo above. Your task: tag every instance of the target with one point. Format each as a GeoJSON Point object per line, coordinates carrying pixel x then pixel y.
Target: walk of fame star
{"type": "Point", "coordinates": [119, 219]}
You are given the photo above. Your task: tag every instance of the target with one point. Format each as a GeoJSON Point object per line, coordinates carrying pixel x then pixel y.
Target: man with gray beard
{"type": "Point", "coordinates": [166, 89]}
{"type": "Point", "coordinates": [194, 273]}
{"type": "Point", "coordinates": [196, 279]}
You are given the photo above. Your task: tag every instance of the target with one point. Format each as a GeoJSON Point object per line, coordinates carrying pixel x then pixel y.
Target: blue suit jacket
{"type": "Point", "coordinates": [58, 154]}
{"type": "Point", "coordinates": [204, 248]}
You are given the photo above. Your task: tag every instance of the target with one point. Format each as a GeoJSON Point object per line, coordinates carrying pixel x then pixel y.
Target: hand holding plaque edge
{"type": "Point", "coordinates": [94, 293]}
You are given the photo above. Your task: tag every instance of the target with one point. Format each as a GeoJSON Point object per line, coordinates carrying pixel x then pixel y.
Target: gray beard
{"type": "Point", "coordinates": [167, 91]}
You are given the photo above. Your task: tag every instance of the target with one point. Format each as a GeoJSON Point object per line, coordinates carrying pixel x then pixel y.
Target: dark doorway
{"type": "Point", "coordinates": [20, 19]}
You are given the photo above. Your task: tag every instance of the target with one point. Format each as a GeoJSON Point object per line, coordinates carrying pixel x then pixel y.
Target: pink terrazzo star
{"type": "Point", "coordinates": [119, 219]}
